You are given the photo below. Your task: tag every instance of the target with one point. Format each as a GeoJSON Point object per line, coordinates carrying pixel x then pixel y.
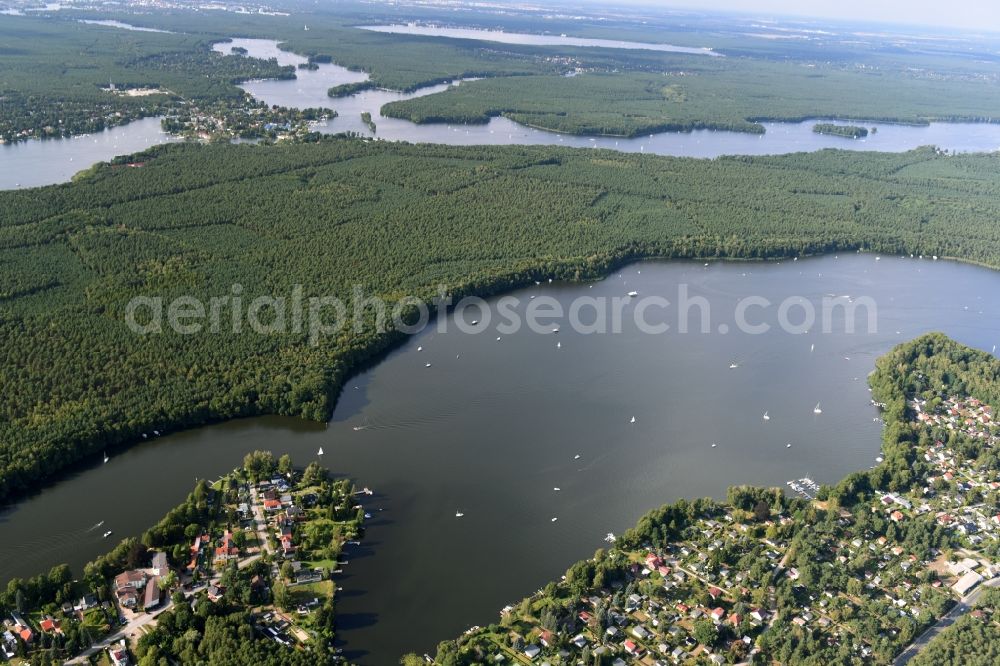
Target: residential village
{"type": "Point", "coordinates": [764, 578]}
{"type": "Point", "coordinates": [268, 543]}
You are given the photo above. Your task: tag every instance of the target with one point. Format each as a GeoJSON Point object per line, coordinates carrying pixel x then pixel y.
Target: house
{"type": "Point", "coordinates": [633, 648]}
{"type": "Point", "coordinates": [215, 592]}
{"type": "Point", "coordinates": [717, 614]}
{"type": "Point", "coordinates": [160, 566]}
{"type": "Point", "coordinates": [641, 632]}
{"type": "Point", "coordinates": [128, 598]}
{"type": "Point", "coordinates": [50, 625]}
{"type": "Point", "coordinates": [714, 592]}
{"type": "Point", "coordinates": [546, 638]}
{"type": "Point", "coordinates": [579, 641]}
{"type": "Point", "coordinates": [8, 645]}
{"type": "Point", "coordinates": [896, 516]}
{"type": "Point", "coordinates": [86, 602]}
{"type": "Point", "coordinates": [532, 651]}
{"type": "Point", "coordinates": [151, 596]}
{"type": "Point", "coordinates": [118, 654]}
{"type": "Point", "coordinates": [966, 583]}
{"type": "Point", "coordinates": [134, 579]}
{"type": "Point", "coordinates": [226, 550]}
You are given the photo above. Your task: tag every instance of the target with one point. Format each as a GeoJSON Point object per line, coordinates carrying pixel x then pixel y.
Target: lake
{"type": "Point", "coordinates": [43, 162]}
{"type": "Point", "coordinates": [46, 161]}
{"type": "Point", "coordinates": [530, 39]}
{"type": "Point", "coordinates": [493, 426]}
{"type": "Point", "coordinates": [310, 90]}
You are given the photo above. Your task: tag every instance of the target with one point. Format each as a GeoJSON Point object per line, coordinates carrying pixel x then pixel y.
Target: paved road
{"type": "Point", "coordinates": [130, 629]}
{"type": "Point", "coordinates": [964, 605]}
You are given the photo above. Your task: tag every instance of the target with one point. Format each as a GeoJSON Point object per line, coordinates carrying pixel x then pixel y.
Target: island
{"type": "Point", "coordinates": [856, 572]}
{"type": "Point", "coordinates": [846, 131]}
{"type": "Point", "coordinates": [366, 118]}
{"type": "Point", "coordinates": [244, 569]}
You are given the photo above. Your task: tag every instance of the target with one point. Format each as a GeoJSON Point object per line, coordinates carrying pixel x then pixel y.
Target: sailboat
{"type": "Point", "coordinates": [633, 294]}
{"type": "Point", "coordinates": [320, 452]}
{"type": "Point", "coordinates": [734, 365]}
{"type": "Point", "coordinates": [766, 417]}
{"type": "Point", "coordinates": [714, 445]}
{"type": "Point", "coordinates": [459, 514]}
{"type": "Point", "coordinates": [106, 458]}
{"type": "Point", "coordinates": [576, 457]}
{"type": "Point", "coordinates": [817, 410]}
{"type": "Point", "coordinates": [812, 347]}
{"type": "Point", "coordinates": [633, 420]}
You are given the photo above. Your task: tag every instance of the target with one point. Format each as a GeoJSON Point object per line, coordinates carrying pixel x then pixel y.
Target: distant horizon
{"type": "Point", "coordinates": [963, 15]}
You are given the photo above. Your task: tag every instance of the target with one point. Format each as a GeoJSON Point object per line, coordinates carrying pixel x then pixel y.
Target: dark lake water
{"type": "Point", "coordinates": [492, 427]}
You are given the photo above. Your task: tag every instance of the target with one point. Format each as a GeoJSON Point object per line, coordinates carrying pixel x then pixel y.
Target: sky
{"type": "Point", "coordinates": [982, 15]}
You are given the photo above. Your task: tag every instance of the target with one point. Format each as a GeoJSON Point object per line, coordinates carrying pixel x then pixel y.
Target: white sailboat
{"type": "Point", "coordinates": [576, 457]}
{"type": "Point", "coordinates": [106, 458]}
{"type": "Point", "coordinates": [558, 345]}
{"type": "Point", "coordinates": [459, 514]}
{"type": "Point", "coordinates": [714, 445]}
{"type": "Point", "coordinates": [766, 417]}
{"type": "Point", "coordinates": [633, 294]}
{"type": "Point", "coordinates": [817, 410]}
{"type": "Point", "coordinates": [734, 365]}
{"type": "Point", "coordinates": [633, 420]}
{"type": "Point", "coordinates": [320, 452]}
{"type": "Point", "coordinates": [812, 347]}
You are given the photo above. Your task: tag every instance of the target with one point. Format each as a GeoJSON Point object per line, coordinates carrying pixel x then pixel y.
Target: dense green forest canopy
{"type": "Point", "coordinates": [396, 219]}
{"type": "Point", "coordinates": [714, 93]}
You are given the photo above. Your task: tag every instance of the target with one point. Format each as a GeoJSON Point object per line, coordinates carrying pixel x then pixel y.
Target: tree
{"type": "Point", "coordinates": [168, 581]}
{"type": "Point", "coordinates": [705, 632]}
{"type": "Point", "coordinates": [285, 464]}
{"type": "Point", "coordinates": [138, 555]}
{"type": "Point", "coordinates": [762, 511]}
{"type": "Point", "coordinates": [259, 464]}
{"type": "Point", "coordinates": [282, 597]}
{"type": "Point", "coordinates": [314, 474]}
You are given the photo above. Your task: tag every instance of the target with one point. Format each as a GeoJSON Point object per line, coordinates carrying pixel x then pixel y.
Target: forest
{"type": "Point", "coordinates": [614, 92]}
{"type": "Point", "coordinates": [55, 76]}
{"type": "Point", "coordinates": [698, 93]}
{"type": "Point", "coordinates": [213, 216]}
{"type": "Point", "coordinates": [846, 131]}
{"type": "Point", "coordinates": [397, 220]}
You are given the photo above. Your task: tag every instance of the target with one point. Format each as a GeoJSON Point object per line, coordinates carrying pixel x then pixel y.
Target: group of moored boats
{"type": "Point", "coordinates": [805, 487]}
